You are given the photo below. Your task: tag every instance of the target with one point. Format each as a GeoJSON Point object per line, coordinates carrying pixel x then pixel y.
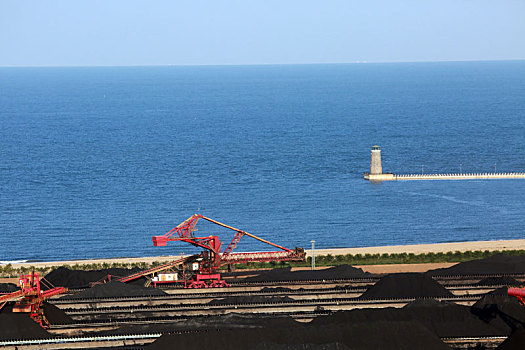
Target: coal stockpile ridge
{"type": "Point", "coordinates": [496, 264]}
{"type": "Point", "coordinates": [503, 291]}
{"type": "Point", "coordinates": [55, 315]}
{"type": "Point", "coordinates": [20, 326]}
{"type": "Point", "coordinates": [8, 287]}
{"type": "Point", "coordinates": [231, 320]}
{"type": "Point", "coordinates": [336, 272]}
{"type": "Point", "coordinates": [500, 311]}
{"type": "Point", "coordinates": [442, 318]}
{"type": "Point", "coordinates": [274, 346]}
{"type": "Point", "coordinates": [360, 336]}
{"type": "Point", "coordinates": [405, 285]}
{"type": "Point", "coordinates": [277, 289]}
{"type": "Point", "coordinates": [498, 281]}
{"type": "Point", "coordinates": [249, 300]}
{"type": "Point", "coordinates": [64, 277]}
{"type": "Point", "coordinates": [516, 341]}
{"type": "Point", "coordinates": [115, 289]}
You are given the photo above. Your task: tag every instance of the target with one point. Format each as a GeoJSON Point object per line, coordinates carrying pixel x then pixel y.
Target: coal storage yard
{"type": "Point", "coordinates": [463, 307]}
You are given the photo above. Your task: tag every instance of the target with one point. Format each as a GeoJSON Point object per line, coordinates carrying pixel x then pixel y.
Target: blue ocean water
{"type": "Point", "coordinates": [95, 161]}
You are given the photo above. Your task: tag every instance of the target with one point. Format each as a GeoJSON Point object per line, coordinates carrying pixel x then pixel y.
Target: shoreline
{"type": "Point", "coordinates": [516, 244]}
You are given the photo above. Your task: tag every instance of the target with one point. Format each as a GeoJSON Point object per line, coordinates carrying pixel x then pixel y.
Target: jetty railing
{"type": "Point", "coordinates": [450, 176]}
{"type": "Point", "coordinates": [460, 176]}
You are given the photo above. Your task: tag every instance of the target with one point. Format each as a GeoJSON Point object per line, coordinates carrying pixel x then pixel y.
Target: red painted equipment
{"type": "Point", "coordinates": [206, 265]}
{"type": "Point", "coordinates": [30, 297]}
{"type": "Point", "coordinates": [518, 293]}
{"type": "Point", "coordinates": [155, 270]}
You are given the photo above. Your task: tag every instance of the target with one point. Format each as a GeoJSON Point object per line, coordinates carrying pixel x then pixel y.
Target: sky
{"type": "Point", "coordinates": [217, 32]}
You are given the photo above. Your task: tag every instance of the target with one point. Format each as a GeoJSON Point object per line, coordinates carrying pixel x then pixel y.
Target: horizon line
{"type": "Point", "coordinates": [256, 64]}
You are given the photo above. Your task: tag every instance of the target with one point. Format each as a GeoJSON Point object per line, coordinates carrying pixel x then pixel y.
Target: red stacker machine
{"type": "Point", "coordinates": [30, 297]}
{"type": "Point", "coordinates": [201, 270]}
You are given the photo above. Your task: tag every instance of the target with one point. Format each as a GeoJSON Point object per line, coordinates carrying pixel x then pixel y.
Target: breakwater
{"type": "Point", "coordinates": [460, 176]}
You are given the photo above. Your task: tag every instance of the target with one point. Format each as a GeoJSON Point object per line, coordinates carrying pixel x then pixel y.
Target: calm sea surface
{"type": "Point", "coordinates": [95, 161]}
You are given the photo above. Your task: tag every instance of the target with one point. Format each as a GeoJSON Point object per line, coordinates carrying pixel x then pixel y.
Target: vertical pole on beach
{"type": "Point", "coordinates": [313, 254]}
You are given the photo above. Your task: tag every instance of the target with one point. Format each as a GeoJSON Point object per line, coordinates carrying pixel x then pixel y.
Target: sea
{"type": "Point", "coordinates": [94, 161]}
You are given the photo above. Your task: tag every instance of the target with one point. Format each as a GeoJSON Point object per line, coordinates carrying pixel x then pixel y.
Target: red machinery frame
{"type": "Point", "coordinates": [518, 293]}
{"type": "Point", "coordinates": [212, 258]}
{"type": "Point", "coordinates": [30, 297]}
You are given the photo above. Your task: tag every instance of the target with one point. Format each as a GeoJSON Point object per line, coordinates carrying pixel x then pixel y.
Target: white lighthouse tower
{"type": "Point", "coordinates": [375, 161]}
{"type": "Point", "coordinates": [376, 170]}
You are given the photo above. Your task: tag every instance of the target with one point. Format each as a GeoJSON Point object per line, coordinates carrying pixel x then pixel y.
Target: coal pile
{"type": "Point", "coordinates": [447, 319]}
{"type": "Point", "coordinates": [516, 341]}
{"type": "Point", "coordinates": [336, 272]}
{"type": "Point", "coordinates": [20, 326]}
{"type": "Point", "coordinates": [442, 318]}
{"type": "Point", "coordinates": [64, 277]}
{"type": "Point", "coordinates": [8, 287]}
{"type": "Point", "coordinates": [498, 281]}
{"type": "Point", "coordinates": [405, 285]}
{"type": "Point", "coordinates": [115, 289]}
{"type": "Point", "coordinates": [495, 265]}
{"type": "Point", "coordinates": [361, 336]}
{"type": "Point", "coordinates": [56, 316]}
{"type": "Point", "coordinates": [502, 312]}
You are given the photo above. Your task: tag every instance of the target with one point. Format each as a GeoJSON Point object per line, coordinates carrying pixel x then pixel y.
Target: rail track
{"type": "Point", "coordinates": [129, 341]}
{"type": "Point", "coordinates": [139, 341]}
{"type": "Point", "coordinates": [292, 289]}
{"type": "Point", "coordinates": [304, 301]}
{"type": "Point", "coordinates": [284, 297]}
{"type": "Point", "coordinates": [445, 280]}
{"type": "Point", "coordinates": [134, 304]}
{"type": "Point", "coordinates": [123, 314]}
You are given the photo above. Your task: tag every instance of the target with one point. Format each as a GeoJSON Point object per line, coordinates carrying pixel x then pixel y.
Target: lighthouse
{"type": "Point", "coordinates": [375, 161]}
{"type": "Point", "coordinates": [376, 170]}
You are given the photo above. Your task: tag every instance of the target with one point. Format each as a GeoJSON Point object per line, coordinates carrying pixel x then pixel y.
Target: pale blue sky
{"type": "Point", "coordinates": [129, 32]}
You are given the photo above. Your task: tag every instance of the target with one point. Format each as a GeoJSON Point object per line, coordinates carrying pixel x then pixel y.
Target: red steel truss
{"type": "Point", "coordinates": [30, 297]}
{"type": "Point", "coordinates": [213, 258]}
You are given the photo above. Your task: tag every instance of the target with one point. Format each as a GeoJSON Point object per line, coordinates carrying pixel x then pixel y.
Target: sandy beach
{"type": "Point", "coordinates": [515, 244]}
{"type": "Point", "coordinates": [416, 249]}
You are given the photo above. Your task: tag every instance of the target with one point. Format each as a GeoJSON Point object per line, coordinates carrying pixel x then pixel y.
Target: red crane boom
{"type": "Point", "coordinates": [212, 258]}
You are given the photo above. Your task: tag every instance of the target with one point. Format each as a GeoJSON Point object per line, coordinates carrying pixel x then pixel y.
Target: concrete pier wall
{"type": "Point", "coordinates": [468, 176]}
